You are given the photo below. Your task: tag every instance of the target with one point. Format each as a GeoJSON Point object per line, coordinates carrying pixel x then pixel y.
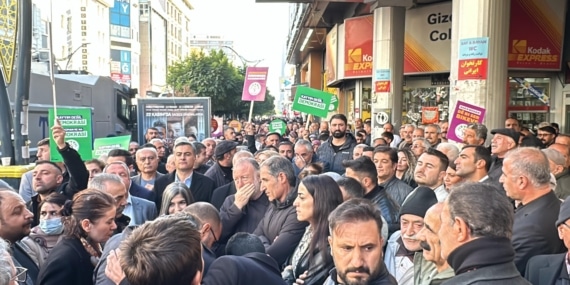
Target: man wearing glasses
{"type": "Point", "coordinates": [9, 274]}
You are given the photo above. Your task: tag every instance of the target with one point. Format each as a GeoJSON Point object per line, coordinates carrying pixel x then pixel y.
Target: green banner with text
{"type": "Point", "coordinates": [78, 133]}
{"type": "Point", "coordinates": [312, 101]}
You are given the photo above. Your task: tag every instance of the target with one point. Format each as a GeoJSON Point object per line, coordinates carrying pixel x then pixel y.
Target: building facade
{"type": "Point", "coordinates": [207, 43]}
{"type": "Point", "coordinates": [178, 30]}
{"type": "Point", "coordinates": [153, 31]}
{"type": "Point", "coordinates": [414, 63]}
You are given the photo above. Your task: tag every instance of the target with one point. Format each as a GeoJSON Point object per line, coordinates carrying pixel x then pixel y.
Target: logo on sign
{"type": "Point", "coordinates": [520, 51]}
{"type": "Point", "coordinates": [358, 61]}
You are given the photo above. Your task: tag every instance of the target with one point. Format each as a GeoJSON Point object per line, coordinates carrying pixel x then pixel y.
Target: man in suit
{"type": "Point", "coordinates": [249, 257]}
{"type": "Point", "coordinates": [147, 163]}
{"type": "Point", "coordinates": [526, 179]}
{"type": "Point", "coordinates": [137, 209]}
{"type": "Point", "coordinates": [553, 268]}
{"type": "Point", "coordinates": [121, 155]}
{"type": "Point", "coordinates": [184, 156]}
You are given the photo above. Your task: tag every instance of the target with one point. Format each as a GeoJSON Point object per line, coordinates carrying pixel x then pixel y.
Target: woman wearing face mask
{"type": "Point", "coordinates": [89, 221]}
{"type": "Point", "coordinates": [175, 198]}
{"type": "Point", "coordinates": [43, 237]}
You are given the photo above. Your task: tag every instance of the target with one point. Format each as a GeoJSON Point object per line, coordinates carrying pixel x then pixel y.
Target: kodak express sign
{"type": "Point", "coordinates": [536, 34]}
{"type": "Point", "coordinates": [359, 33]}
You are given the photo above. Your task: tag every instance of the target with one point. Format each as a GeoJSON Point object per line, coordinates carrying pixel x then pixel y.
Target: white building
{"type": "Point", "coordinates": [178, 30]}
{"type": "Point", "coordinates": [153, 31]}
{"type": "Point", "coordinates": [208, 43]}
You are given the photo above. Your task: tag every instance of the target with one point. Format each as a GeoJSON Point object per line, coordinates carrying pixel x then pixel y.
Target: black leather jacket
{"type": "Point", "coordinates": [317, 274]}
{"type": "Point", "coordinates": [390, 210]}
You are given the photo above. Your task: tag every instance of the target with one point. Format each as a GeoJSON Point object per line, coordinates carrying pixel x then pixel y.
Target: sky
{"type": "Point", "coordinates": [259, 31]}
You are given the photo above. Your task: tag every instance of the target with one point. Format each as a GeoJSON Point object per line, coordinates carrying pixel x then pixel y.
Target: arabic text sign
{"type": "Point", "coordinates": [473, 58]}
{"type": "Point", "coordinates": [472, 69]}
{"type": "Point", "coordinates": [463, 115]}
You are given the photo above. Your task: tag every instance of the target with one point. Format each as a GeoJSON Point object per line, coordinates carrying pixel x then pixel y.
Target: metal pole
{"type": "Point", "coordinates": [5, 120]}
{"type": "Point", "coordinates": [21, 143]}
{"type": "Point", "coordinates": [52, 63]}
{"type": "Point", "coordinates": [250, 111]}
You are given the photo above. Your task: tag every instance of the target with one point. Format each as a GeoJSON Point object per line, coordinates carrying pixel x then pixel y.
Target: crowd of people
{"type": "Point", "coordinates": [323, 203]}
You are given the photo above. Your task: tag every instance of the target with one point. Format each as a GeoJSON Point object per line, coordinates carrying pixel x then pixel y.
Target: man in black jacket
{"type": "Point", "coordinates": [475, 235]}
{"type": "Point", "coordinates": [234, 269]}
{"type": "Point", "coordinates": [526, 178]}
{"type": "Point", "coordinates": [221, 171]}
{"type": "Point", "coordinates": [243, 211]}
{"type": "Point", "coordinates": [279, 230]}
{"type": "Point", "coordinates": [356, 245]}
{"type": "Point", "coordinates": [48, 178]}
{"type": "Point", "coordinates": [363, 170]}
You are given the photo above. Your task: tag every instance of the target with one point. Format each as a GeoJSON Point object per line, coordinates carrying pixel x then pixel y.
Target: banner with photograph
{"type": "Point", "coordinates": [175, 117]}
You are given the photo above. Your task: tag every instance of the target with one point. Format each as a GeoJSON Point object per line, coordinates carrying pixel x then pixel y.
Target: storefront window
{"type": "Point", "coordinates": [529, 100]}
{"type": "Point", "coordinates": [428, 105]}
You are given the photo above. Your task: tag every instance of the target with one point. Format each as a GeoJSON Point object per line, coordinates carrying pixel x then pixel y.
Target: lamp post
{"type": "Point", "coordinates": [71, 55]}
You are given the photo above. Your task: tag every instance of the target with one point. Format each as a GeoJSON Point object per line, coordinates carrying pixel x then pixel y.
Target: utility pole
{"type": "Point", "coordinates": [21, 142]}
{"type": "Point", "coordinates": [9, 8]}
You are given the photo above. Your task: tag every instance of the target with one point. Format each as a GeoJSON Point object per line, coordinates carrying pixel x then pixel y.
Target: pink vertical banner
{"type": "Point", "coordinates": [254, 85]}
{"type": "Point", "coordinates": [463, 115]}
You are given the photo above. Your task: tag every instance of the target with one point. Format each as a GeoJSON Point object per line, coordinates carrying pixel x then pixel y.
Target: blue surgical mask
{"type": "Point", "coordinates": [52, 226]}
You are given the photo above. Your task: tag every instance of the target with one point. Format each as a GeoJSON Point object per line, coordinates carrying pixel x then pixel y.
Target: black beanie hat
{"type": "Point", "coordinates": [420, 200]}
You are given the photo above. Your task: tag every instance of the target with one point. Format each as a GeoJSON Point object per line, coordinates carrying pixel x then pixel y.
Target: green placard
{"type": "Point", "coordinates": [334, 104]}
{"type": "Point", "coordinates": [277, 126]}
{"type": "Point", "coordinates": [102, 146]}
{"type": "Point", "coordinates": [78, 132]}
{"type": "Point", "coordinates": [312, 101]}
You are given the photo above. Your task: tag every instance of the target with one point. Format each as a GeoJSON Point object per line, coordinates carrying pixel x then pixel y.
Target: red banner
{"type": "Point", "coordinates": [359, 33]}
{"type": "Point", "coordinates": [536, 34]}
{"type": "Point", "coordinates": [382, 86]}
{"type": "Point", "coordinates": [430, 115]}
{"type": "Point", "coordinates": [472, 69]}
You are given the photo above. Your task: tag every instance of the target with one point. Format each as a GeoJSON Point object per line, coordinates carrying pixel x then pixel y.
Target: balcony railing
{"type": "Point", "coordinates": [298, 14]}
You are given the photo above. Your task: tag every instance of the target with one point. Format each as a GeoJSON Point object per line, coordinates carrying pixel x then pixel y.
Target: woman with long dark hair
{"type": "Point", "coordinates": [175, 198]}
{"type": "Point", "coordinates": [88, 220]}
{"type": "Point", "coordinates": [317, 197]}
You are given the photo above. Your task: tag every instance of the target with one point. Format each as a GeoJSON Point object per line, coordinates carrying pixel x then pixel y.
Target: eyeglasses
{"type": "Point", "coordinates": [565, 224]}
{"type": "Point", "coordinates": [150, 158]}
{"type": "Point", "coordinates": [21, 275]}
{"type": "Point", "coordinates": [213, 234]}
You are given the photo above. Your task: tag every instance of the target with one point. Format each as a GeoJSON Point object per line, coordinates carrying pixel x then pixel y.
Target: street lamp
{"type": "Point", "coordinates": [243, 60]}
{"type": "Point", "coordinates": [71, 55]}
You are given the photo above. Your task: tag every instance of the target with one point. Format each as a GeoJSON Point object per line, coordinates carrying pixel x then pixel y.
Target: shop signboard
{"type": "Point", "coordinates": [331, 58]}
{"type": "Point", "coordinates": [536, 34]}
{"type": "Point", "coordinates": [78, 131]}
{"type": "Point", "coordinates": [473, 58]}
{"type": "Point", "coordinates": [312, 101]}
{"type": "Point", "coordinates": [358, 36]}
{"type": "Point", "coordinates": [427, 39]}
{"type": "Point", "coordinates": [463, 115]}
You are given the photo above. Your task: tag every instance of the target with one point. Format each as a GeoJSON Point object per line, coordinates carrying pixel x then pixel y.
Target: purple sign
{"type": "Point", "coordinates": [255, 84]}
{"type": "Point", "coordinates": [463, 115]}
